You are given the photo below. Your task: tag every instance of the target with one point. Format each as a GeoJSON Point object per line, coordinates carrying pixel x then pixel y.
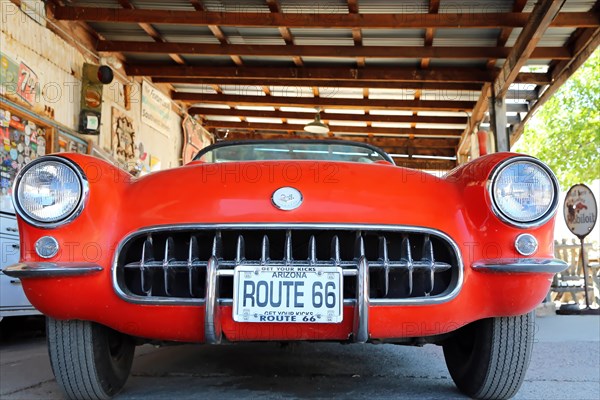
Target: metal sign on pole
{"type": "Point", "coordinates": [581, 211]}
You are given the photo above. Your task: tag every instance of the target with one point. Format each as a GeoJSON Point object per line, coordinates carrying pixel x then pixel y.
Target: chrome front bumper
{"type": "Point", "coordinates": [521, 265]}
{"type": "Point", "coordinates": [50, 269]}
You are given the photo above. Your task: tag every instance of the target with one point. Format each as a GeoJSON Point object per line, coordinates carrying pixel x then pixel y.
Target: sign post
{"type": "Point", "coordinates": [581, 211]}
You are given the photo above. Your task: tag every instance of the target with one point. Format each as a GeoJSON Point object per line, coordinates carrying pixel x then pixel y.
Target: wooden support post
{"type": "Point", "coordinates": [498, 123]}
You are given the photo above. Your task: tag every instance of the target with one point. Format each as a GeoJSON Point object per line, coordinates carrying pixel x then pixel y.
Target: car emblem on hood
{"type": "Point", "coordinates": [287, 198]}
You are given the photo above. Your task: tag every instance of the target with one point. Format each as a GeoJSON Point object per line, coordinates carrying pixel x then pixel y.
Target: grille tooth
{"type": "Point", "coordinates": [406, 257]}
{"type": "Point", "coordinates": [359, 246]}
{"type": "Point", "coordinates": [217, 247]}
{"type": "Point", "coordinates": [287, 258]}
{"type": "Point", "coordinates": [384, 258]}
{"type": "Point", "coordinates": [428, 261]}
{"type": "Point", "coordinates": [169, 256]}
{"type": "Point", "coordinates": [264, 251]}
{"type": "Point", "coordinates": [240, 250]}
{"type": "Point", "coordinates": [312, 250]}
{"type": "Point", "coordinates": [193, 254]}
{"type": "Point", "coordinates": [147, 256]}
{"type": "Point", "coordinates": [335, 251]}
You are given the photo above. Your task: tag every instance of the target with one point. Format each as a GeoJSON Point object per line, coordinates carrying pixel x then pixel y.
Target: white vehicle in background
{"type": "Point", "coordinates": [13, 302]}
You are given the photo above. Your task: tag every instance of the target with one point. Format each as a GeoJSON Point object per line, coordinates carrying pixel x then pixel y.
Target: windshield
{"type": "Point", "coordinates": [291, 150]}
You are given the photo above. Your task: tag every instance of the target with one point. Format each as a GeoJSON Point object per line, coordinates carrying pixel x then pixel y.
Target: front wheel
{"type": "Point", "coordinates": [89, 361]}
{"type": "Point", "coordinates": [487, 359]}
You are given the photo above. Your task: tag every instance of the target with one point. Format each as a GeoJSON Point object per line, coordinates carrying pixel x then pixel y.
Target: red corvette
{"type": "Point", "coordinates": [285, 241]}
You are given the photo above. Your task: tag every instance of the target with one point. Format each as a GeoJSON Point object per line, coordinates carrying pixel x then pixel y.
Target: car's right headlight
{"type": "Point", "coordinates": [524, 192]}
{"type": "Point", "coordinates": [50, 191]}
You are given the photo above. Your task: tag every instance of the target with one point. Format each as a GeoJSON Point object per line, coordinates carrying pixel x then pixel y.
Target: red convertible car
{"type": "Point", "coordinates": [287, 241]}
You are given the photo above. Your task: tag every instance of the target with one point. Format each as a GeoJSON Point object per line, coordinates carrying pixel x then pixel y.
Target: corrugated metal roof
{"type": "Point", "coordinates": [568, 5]}
{"type": "Point", "coordinates": [393, 7]}
{"type": "Point", "coordinates": [239, 6]}
{"type": "Point", "coordinates": [314, 7]}
{"type": "Point", "coordinates": [175, 5]}
{"type": "Point", "coordinates": [471, 7]}
{"type": "Point", "coordinates": [122, 31]}
{"type": "Point", "coordinates": [466, 37]}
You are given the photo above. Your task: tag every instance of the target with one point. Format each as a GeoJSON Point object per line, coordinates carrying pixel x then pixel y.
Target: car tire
{"type": "Point", "coordinates": [487, 359]}
{"type": "Point", "coordinates": [89, 361]}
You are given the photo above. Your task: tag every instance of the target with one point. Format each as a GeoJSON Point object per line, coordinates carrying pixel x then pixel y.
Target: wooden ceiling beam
{"type": "Point", "coordinates": [472, 75]}
{"type": "Point", "coordinates": [331, 84]}
{"type": "Point", "coordinates": [204, 111]}
{"type": "Point", "coordinates": [310, 20]}
{"type": "Point", "coordinates": [291, 101]}
{"type": "Point", "coordinates": [396, 52]}
{"type": "Point", "coordinates": [421, 143]}
{"type": "Point", "coordinates": [361, 130]}
{"type": "Point", "coordinates": [541, 17]}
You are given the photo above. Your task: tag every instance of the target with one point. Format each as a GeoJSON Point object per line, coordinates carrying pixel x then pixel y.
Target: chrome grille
{"type": "Point", "coordinates": [405, 264]}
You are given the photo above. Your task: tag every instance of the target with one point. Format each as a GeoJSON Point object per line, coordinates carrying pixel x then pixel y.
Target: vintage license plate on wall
{"type": "Point", "coordinates": [287, 294]}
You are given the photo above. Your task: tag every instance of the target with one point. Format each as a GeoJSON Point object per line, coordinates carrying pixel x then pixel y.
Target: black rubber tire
{"type": "Point", "coordinates": [488, 359]}
{"type": "Point", "coordinates": [89, 361]}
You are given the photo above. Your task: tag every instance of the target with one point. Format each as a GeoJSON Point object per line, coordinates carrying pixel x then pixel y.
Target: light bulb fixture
{"type": "Point", "coordinates": [316, 126]}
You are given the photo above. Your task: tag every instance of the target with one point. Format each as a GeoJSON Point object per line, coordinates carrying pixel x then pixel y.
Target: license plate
{"type": "Point", "coordinates": [287, 294]}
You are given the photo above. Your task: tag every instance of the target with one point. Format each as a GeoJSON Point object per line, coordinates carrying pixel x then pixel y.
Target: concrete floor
{"type": "Point", "coordinates": [565, 364]}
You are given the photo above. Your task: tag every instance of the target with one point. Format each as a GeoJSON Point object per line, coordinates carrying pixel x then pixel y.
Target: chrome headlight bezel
{"type": "Point", "coordinates": [67, 218]}
{"type": "Point", "coordinates": [503, 216]}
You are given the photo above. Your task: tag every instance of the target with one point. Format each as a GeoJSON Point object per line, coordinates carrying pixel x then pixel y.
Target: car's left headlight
{"type": "Point", "coordinates": [523, 191]}
{"type": "Point", "coordinates": [50, 191]}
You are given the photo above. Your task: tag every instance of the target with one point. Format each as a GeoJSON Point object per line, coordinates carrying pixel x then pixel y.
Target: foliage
{"type": "Point", "coordinates": [565, 132]}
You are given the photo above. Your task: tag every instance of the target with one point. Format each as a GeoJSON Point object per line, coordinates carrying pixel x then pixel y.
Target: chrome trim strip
{"type": "Point", "coordinates": [50, 270]}
{"type": "Point", "coordinates": [360, 327]}
{"type": "Point", "coordinates": [83, 196]}
{"type": "Point", "coordinates": [498, 213]}
{"type": "Point", "coordinates": [212, 315]}
{"type": "Point", "coordinates": [286, 226]}
{"type": "Point", "coordinates": [521, 265]}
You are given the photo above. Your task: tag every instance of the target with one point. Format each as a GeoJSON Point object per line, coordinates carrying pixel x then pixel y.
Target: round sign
{"type": "Point", "coordinates": [287, 198]}
{"type": "Point", "coordinates": [580, 210]}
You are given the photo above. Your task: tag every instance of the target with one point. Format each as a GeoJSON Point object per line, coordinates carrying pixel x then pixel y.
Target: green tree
{"type": "Point", "coordinates": [565, 132]}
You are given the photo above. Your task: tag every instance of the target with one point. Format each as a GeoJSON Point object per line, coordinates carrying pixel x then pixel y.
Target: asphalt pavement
{"type": "Point", "coordinates": [565, 364]}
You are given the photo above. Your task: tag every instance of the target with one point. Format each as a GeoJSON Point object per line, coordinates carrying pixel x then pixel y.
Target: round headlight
{"type": "Point", "coordinates": [524, 192]}
{"type": "Point", "coordinates": [49, 191]}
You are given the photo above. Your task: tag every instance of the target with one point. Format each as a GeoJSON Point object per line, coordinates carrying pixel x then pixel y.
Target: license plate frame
{"type": "Point", "coordinates": [321, 289]}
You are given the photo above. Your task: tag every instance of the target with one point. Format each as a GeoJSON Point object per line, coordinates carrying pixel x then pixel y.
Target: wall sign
{"type": "Point", "coordinates": [156, 108]}
{"type": "Point", "coordinates": [123, 137]}
{"type": "Point", "coordinates": [17, 79]}
{"type": "Point", "coordinates": [195, 139]}
{"type": "Point", "coordinates": [580, 210]}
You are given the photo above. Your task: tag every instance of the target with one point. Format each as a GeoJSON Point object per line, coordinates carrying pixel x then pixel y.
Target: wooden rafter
{"type": "Point", "coordinates": [398, 132]}
{"type": "Point", "coordinates": [330, 86]}
{"type": "Point", "coordinates": [346, 21]}
{"type": "Point", "coordinates": [434, 6]}
{"type": "Point", "coordinates": [540, 19]}
{"type": "Point", "coordinates": [584, 50]}
{"type": "Point", "coordinates": [364, 104]}
{"type": "Point", "coordinates": [152, 32]}
{"type": "Point", "coordinates": [432, 143]}
{"type": "Point", "coordinates": [518, 6]}
{"type": "Point", "coordinates": [395, 52]}
{"type": "Point", "coordinates": [285, 32]}
{"type": "Point", "coordinates": [216, 30]}
{"type": "Point", "coordinates": [473, 75]}
{"type": "Point", "coordinates": [327, 116]}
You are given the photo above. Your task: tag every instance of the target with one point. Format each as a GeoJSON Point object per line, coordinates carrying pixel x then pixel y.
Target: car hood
{"type": "Point", "coordinates": [332, 192]}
